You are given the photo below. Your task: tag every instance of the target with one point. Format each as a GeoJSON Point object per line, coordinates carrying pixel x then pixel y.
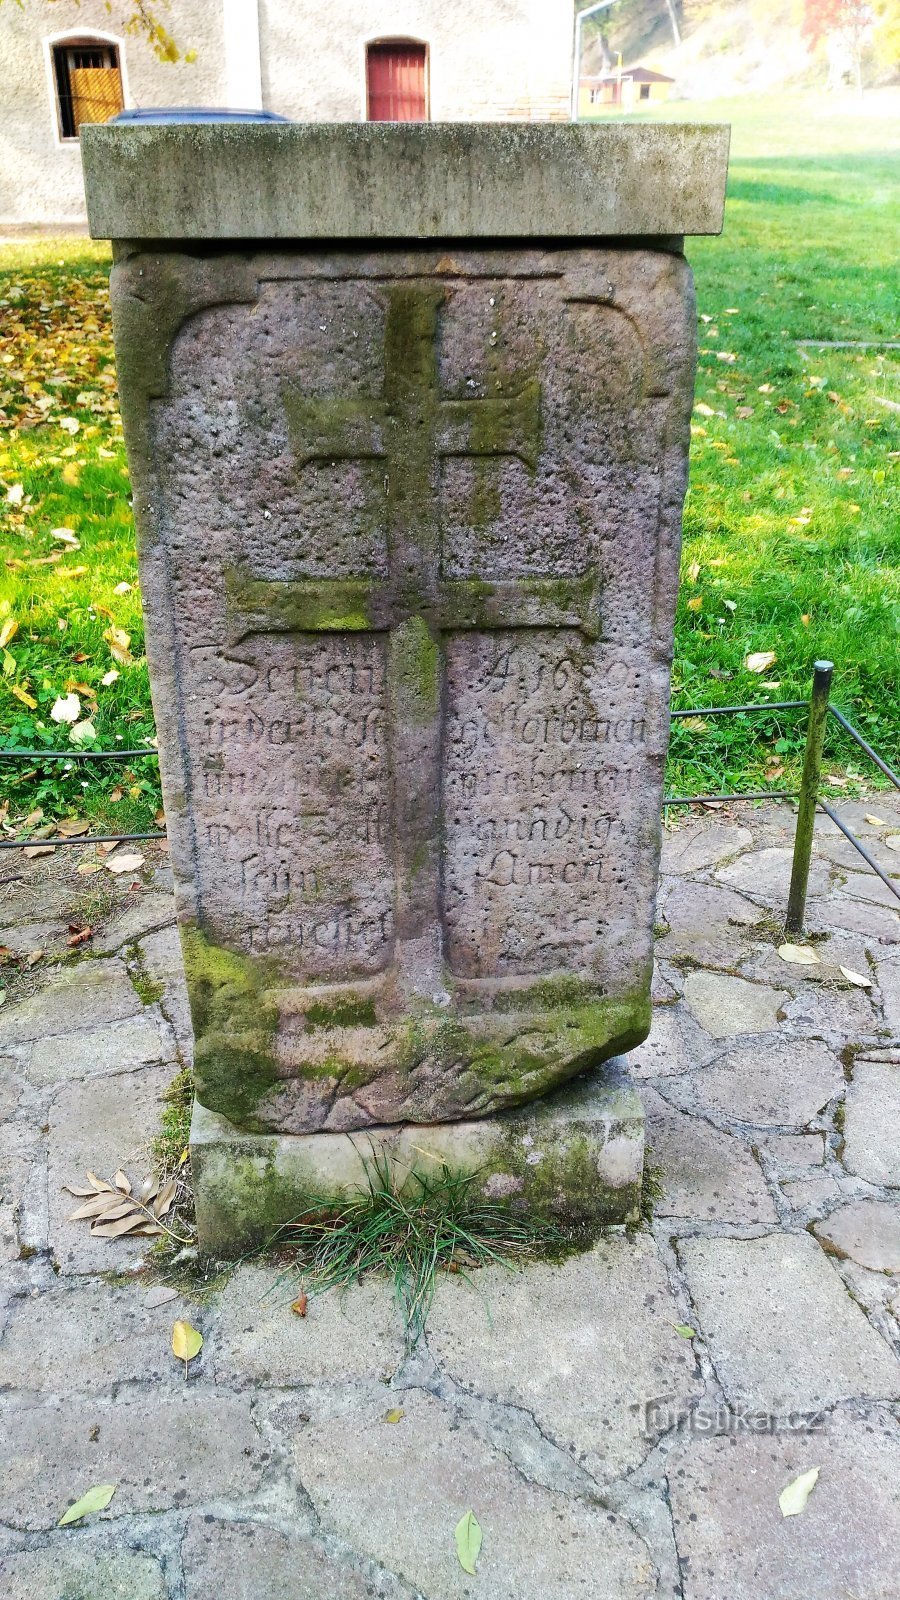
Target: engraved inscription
{"type": "Point", "coordinates": [542, 745]}
{"type": "Point", "coordinates": [291, 798]}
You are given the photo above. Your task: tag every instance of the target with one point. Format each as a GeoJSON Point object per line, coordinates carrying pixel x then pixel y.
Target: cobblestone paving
{"type": "Point", "coordinates": [604, 1452]}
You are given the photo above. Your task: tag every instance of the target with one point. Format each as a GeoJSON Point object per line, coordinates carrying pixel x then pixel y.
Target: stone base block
{"type": "Point", "coordinates": [575, 1157]}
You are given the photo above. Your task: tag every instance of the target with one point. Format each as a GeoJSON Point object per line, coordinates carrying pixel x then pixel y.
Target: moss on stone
{"type": "Point", "coordinates": [235, 1024]}
{"type": "Point", "coordinates": [347, 1013]}
{"type": "Point", "coordinates": [416, 661]}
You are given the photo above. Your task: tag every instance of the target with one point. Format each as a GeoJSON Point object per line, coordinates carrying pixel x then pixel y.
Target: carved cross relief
{"type": "Point", "coordinates": [411, 427]}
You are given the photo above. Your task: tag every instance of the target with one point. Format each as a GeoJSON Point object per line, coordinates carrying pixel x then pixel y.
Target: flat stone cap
{"type": "Point", "coordinates": [381, 181]}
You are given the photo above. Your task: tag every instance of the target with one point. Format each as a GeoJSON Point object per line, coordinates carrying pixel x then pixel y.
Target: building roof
{"type": "Point", "coordinates": [637, 74]}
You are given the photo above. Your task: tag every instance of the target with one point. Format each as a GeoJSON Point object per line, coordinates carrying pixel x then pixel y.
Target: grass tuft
{"type": "Point", "coordinates": [411, 1229]}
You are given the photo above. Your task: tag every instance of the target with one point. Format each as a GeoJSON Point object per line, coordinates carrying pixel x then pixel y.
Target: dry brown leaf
{"type": "Point", "coordinates": [79, 935]}
{"type": "Point", "coordinates": [132, 1223]}
{"type": "Point", "coordinates": [94, 1207]}
{"type": "Point", "coordinates": [149, 1188]}
{"type": "Point", "coordinates": [876, 822]}
{"type": "Point", "coordinates": [122, 1182]}
{"type": "Point", "coordinates": [72, 827]}
{"type": "Point", "coordinates": [300, 1305]}
{"type": "Point", "coordinates": [164, 1199]}
{"type": "Point", "coordinates": [70, 1188]}
{"type": "Point", "coordinates": [86, 867]}
{"type": "Point", "coordinates": [100, 1183]}
{"type": "Point", "coordinates": [32, 850]}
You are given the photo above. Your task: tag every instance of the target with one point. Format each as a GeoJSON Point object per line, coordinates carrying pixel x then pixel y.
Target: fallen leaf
{"type": "Point", "coordinates": [100, 1183]}
{"type": "Point", "coordinates": [33, 957]}
{"type": "Point", "coordinates": [396, 1415]}
{"type": "Point", "coordinates": [96, 1499]}
{"type": "Point", "coordinates": [73, 827]}
{"type": "Point", "coordinates": [82, 732]}
{"type": "Point", "coordinates": [32, 850]}
{"type": "Point", "coordinates": [66, 536]}
{"type": "Point", "coordinates": [163, 1201]}
{"type": "Point", "coordinates": [876, 822]}
{"type": "Point", "coordinates": [186, 1342]}
{"type": "Point", "coordinates": [122, 588]}
{"type": "Point", "coordinates": [730, 605]}
{"type": "Point", "coordinates": [695, 603]}
{"type": "Point", "coordinates": [856, 978]}
{"type": "Point", "coordinates": [124, 863]}
{"type": "Point", "coordinates": [109, 677]}
{"type": "Point", "coordinates": [23, 695]}
{"type": "Point", "coordinates": [798, 955]}
{"type": "Point", "coordinates": [122, 1182]}
{"type": "Point", "coordinates": [468, 1542]}
{"type": "Point", "coordinates": [8, 631]}
{"type": "Point", "coordinates": [79, 935]}
{"type": "Point", "coordinates": [87, 867]}
{"type": "Point", "coordinates": [759, 660]}
{"type": "Point", "coordinates": [693, 571]}
{"type": "Point", "coordinates": [15, 494]}
{"type": "Point", "coordinates": [118, 641]}
{"type": "Point", "coordinates": [299, 1306]}
{"type": "Point", "coordinates": [792, 1500]}
{"type": "Point", "coordinates": [685, 1331]}
{"type": "Point", "coordinates": [65, 708]}
{"type": "Point", "coordinates": [128, 1221]}
{"type": "Point", "coordinates": [70, 424]}
{"type": "Point", "coordinates": [703, 410]}
{"type": "Point", "coordinates": [835, 781]}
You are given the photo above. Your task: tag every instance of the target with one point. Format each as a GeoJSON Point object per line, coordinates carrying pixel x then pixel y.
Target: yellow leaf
{"type": "Point", "coordinates": [876, 822]}
{"type": "Point", "coordinates": [396, 1415]}
{"type": "Point", "coordinates": [693, 571]}
{"type": "Point", "coordinates": [23, 695]}
{"type": "Point", "coordinates": [8, 631]}
{"type": "Point", "coordinates": [696, 603]}
{"type": "Point", "coordinates": [186, 1341]}
{"type": "Point", "coordinates": [792, 1500]}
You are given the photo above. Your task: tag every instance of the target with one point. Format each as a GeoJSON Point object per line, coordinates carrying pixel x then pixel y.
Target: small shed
{"type": "Point", "coordinates": [622, 89]}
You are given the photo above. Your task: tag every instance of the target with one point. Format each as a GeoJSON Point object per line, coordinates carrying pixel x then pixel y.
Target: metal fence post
{"type": "Point", "coordinates": [809, 794]}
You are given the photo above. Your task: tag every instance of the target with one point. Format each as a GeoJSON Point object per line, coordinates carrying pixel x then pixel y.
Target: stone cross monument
{"type": "Point", "coordinates": [407, 415]}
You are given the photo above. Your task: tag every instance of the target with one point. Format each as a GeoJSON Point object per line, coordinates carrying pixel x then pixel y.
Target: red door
{"type": "Point", "coordinates": [395, 82]}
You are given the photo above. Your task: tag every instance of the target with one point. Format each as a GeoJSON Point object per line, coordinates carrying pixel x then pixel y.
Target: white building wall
{"type": "Point", "coordinates": [488, 59]}
{"type": "Point", "coordinates": [40, 174]}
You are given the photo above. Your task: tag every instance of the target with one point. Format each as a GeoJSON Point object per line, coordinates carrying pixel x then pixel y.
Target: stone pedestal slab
{"type": "Point", "coordinates": [575, 1157]}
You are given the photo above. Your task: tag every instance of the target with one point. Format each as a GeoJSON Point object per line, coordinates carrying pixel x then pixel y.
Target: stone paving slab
{"type": "Point", "coordinates": [80, 1568]}
{"type": "Point", "coordinates": [92, 1052]}
{"type": "Point", "coordinates": [237, 1558]}
{"type": "Point", "coordinates": [167, 1452]}
{"type": "Point", "coordinates": [872, 1121]}
{"type": "Point", "coordinates": [559, 1342]}
{"type": "Point", "coordinates": [99, 1124]}
{"type": "Point", "coordinates": [734, 1543]}
{"type": "Point", "coordinates": [83, 996]}
{"type": "Point", "coordinates": [709, 1175]}
{"type": "Point", "coordinates": [89, 1338]}
{"type": "Point", "coordinates": [341, 1338]}
{"type": "Point", "coordinates": [727, 1006]}
{"type": "Point", "coordinates": [773, 1083]}
{"type": "Point", "coordinates": [783, 1334]}
{"type": "Point", "coordinates": [397, 1491]}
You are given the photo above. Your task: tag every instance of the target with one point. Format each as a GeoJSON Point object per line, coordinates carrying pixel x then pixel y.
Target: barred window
{"type": "Point", "coordinates": [88, 83]}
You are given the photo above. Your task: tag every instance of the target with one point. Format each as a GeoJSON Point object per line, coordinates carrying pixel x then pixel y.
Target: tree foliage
{"type": "Point", "coordinates": [141, 18]}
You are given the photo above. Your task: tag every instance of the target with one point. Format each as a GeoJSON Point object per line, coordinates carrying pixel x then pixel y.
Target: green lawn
{"type": "Point", "coordinates": [792, 532]}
